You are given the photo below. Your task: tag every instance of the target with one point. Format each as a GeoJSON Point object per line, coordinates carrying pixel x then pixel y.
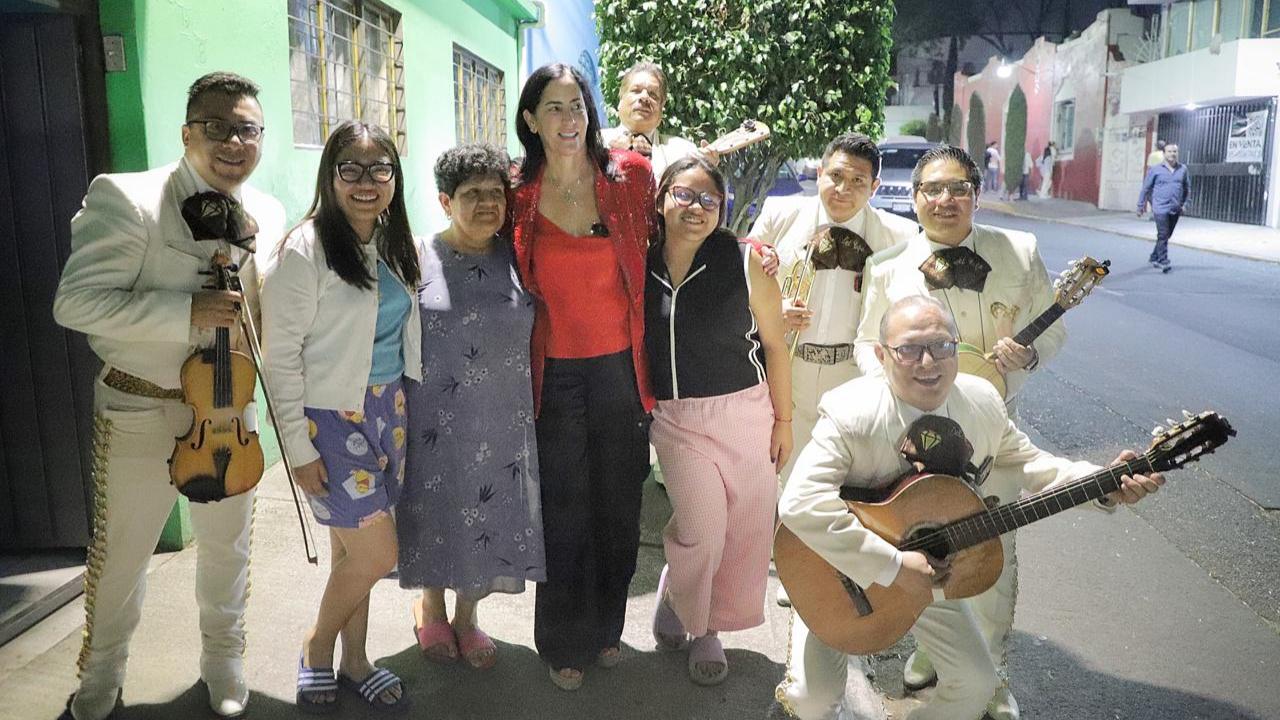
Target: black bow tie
{"type": "Point", "coordinates": [839, 248]}
{"type": "Point", "coordinates": [214, 216]}
{"type": "Point", "coordinates": [955, 267]}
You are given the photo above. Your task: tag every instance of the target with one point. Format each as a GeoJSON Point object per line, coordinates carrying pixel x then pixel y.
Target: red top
{"type": "Point", "coordinates": [625, 202]}
{"type": "Point", "coordinates": [584, 298]}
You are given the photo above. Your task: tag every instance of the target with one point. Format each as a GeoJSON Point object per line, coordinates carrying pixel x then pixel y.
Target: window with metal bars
{"type": "Point", "coordinates": [479, 100]}
{"type": "Point", "coordinates": [346, 62]}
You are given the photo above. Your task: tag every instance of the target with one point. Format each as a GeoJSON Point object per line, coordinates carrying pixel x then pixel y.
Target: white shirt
{"type": "Point", "coordinates": [860, 428]}
{"type": "Point", "coordinates": [317, 337]}
{"type": "Point", "coordinates": [666, 149]}
{"type": "Point", "coordinates": [1016, 292]}
{"type": "Point", "coordinates": [788, 224]}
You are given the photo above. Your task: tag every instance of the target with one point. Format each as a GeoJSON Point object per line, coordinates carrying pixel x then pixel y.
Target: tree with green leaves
{"type": "Point", "coordinates": [809, 69]}
{"type": "Point", "coordinates": [1015, 139]}
{"type": "Point", "coordinates": [977, 130]}
{"type": "Point", "coordinates": [955, 127]}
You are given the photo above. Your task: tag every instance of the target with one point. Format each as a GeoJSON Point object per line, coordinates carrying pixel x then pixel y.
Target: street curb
{"type": "Point", "coordinates": [1005, 209]}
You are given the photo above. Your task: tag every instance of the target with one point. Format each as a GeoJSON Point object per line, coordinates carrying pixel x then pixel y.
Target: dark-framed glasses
{"type": "Point", "coordinates": [958, 189]}
{"type": "Point", "coordinates": [913, 353]}
{"type": "Point", "coordinates": [250, 133]}
{"type": "Point", "coordinates": [685, 197]}
{"type": "Point", "coordinates": [351, 171]}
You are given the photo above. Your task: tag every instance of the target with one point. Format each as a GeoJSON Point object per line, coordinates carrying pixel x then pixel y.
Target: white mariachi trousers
{"type": "Point", "coordinates": [133, 440]}
{"type": "Point", "coordinates": [809, 381]}
{"type": "Point", "coordinates": [814, 685]}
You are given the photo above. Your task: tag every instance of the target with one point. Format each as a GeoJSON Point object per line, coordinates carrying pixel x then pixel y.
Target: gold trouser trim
{"type": "Point", "coordinates": [780, 692]}
{"type": "Point", "coordinates": [96, 555]}
{"type": "Point", "coordinates": [248, 576]}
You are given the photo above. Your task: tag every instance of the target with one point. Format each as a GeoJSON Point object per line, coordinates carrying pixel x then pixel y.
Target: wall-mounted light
{"type": "Point", "coordinates": [1190, 106]}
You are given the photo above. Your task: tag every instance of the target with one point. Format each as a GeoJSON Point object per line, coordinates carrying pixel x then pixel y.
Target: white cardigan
{"type": "Point", "coordinates": [317, 338]}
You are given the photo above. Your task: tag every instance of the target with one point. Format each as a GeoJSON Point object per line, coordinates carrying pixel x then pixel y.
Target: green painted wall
{"type": "Point", "coordinates": [169, 44]}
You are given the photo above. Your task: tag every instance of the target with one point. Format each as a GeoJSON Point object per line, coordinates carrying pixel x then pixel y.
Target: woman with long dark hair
{"type": "Point", "coordinates": [722, 427]}
{"type": "Point", "coordinates": [581, 220]}
{"type": "Point", "coordinates": [340, 329]}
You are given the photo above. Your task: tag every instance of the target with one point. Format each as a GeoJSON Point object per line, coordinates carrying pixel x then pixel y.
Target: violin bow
{"type": "Point", "coordinates": [250, 331]}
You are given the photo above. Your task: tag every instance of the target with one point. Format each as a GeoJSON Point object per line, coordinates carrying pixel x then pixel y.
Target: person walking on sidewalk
{"type": "Point", "coordinates": [722, 427]}
{"type": "Point", "coordinates": [340, 330]}
{"type": "Point", "coordinates": [1026, 175]}
{"type": "Point", "coordinates": [1165, 190]}
{"type": "Point", "coordinates": [1045, 165]}
{"type": "Point", "coordinates": [133, 284]}
{"type": "Point", "coordinates": [993, 159]}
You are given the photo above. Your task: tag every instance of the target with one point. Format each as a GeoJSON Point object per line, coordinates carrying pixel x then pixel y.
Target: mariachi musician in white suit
{"type": "Point", "coordinates": [828, 325]}
{"type": "Point", "coordinates": [133, 285]}
{"type": "Point", "coordinates": [993, 282]}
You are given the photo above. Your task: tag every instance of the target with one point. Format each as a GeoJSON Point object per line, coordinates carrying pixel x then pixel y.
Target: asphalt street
{"type": "Point", "coordinates": [1146, 346]}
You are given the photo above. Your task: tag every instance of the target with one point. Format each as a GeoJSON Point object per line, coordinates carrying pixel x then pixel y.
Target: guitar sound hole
{"type": "Point", "coordinates": [930, 541]}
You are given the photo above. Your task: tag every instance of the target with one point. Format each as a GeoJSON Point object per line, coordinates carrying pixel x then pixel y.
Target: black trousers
{"type": "Point", "coordinates": [593, 455]}
{"type": "Point", "coordinates": [1165, 224]}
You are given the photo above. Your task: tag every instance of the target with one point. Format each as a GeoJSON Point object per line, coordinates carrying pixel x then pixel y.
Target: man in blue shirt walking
{"type": "Point", "coordinates": [1166, 188]}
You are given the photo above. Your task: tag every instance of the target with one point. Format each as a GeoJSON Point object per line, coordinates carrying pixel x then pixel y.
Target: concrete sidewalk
{"type": "Point", "coordinates": [1248, 241]}
{"type": "Point", "coordinates": [1113, 622]}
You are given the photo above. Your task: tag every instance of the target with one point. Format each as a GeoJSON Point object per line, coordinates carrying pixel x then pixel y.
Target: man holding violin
{"type": "Point", "coordinates": [142, 246]}
{"type": "Point", "coordinates": [642, 97]}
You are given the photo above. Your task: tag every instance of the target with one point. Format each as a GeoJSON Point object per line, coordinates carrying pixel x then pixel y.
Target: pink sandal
{"type": "Point", "coordinates": [668, 631]}
{"type": "Point", "coordinates": [473, 642]}
{"type": "Point", "coordinates": [437, 642]}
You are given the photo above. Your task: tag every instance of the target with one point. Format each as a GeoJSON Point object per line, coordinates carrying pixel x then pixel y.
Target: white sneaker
{"type": "Point", "coordinates": [1003, 706]}
{"type": "Point", "coordinates": [90, 704]}
{"type": "Point", "coordinates": [918, 672]}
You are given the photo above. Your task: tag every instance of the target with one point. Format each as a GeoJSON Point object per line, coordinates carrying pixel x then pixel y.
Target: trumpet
{"type": "Point", "coordinates": [798, 285]}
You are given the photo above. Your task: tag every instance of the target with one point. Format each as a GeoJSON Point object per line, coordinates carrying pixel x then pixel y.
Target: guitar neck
{"type": "Point", "coordinates": [1028, 334]}
{"type": "Point", "coordinates": [993, 523]}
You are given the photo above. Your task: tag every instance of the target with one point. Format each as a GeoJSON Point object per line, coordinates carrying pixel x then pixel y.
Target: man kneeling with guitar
{"type": "Point", "coordinates": [918, 417]}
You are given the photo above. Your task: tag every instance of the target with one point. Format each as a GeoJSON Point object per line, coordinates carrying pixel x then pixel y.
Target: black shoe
{"type": "Point", "coordinates": [1156, 265]}
{"type": "Point", "coordinates": [1166, 268]}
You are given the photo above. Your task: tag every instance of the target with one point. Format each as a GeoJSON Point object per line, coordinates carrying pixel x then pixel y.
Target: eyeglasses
{"type": "Point", "coordinates": [221, 130]}
{"type": "Point", "coordinates": [913, 353]}
{"type": "Point", "coordinates": [958, 189]}
{"type": "Point", "coordinates": [685, 197]}
{"type": "Point", "coordinates": [352, 172]}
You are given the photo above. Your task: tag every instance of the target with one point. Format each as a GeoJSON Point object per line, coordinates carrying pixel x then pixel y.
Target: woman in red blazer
{"type": "Point", "coordinates": [581, 220]}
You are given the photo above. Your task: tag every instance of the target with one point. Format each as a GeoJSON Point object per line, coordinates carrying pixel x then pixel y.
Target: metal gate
{"type": "Point", "coordinates": [1228, 186]}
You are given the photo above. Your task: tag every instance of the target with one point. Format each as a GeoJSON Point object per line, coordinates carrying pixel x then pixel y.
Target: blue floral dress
{"type": "Point", "coordinates": [469, 516]}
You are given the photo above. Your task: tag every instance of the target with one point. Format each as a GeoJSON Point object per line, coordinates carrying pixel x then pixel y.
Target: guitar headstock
{"type": "Point", "coordinates": [749, 132]}
{"type": "Point", "coordinates": [1077, 281]}
{"type": "Point", "coordinates": [1183, 443]}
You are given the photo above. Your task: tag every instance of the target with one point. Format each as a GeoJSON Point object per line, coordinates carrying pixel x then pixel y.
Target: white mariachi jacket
{"type": "Point", "coordinates": [788, 223]}
{"type": "Point", "coordinates": [1017, 291]}
{"type": "Point", "coordinates": [860, 428]}
{"type": "Point", "coordinates": [134, 266]}
{"type": "Point", "coordinates": [666, 148]}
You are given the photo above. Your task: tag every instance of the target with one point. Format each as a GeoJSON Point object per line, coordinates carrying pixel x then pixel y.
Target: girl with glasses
{"type": "Point", "coordinates": [722, 424]}
{"type": "Point", "coordinates": [340, 330]}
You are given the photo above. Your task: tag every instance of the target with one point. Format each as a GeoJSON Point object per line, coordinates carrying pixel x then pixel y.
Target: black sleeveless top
{"type": "Point", "coordinates": [707, 319]}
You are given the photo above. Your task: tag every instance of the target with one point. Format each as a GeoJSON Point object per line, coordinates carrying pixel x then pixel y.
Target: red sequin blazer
{"type": "Point", "coordinates": [626, 208]}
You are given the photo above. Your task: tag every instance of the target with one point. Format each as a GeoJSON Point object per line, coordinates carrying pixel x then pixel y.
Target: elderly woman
{"type": "Point", "coordinates": [469, 518]}
{"type": "Point", "coordinates": [581, 221]}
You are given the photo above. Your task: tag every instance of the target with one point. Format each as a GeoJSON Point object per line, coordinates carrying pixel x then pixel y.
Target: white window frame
{"type": "Point", "coordinates": [479, 99]}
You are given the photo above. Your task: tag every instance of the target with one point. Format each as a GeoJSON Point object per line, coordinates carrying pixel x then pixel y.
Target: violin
{"type": "Point", "coordinates": [219, 456]}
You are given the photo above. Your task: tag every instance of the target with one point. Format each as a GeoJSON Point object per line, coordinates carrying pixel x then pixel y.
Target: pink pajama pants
{"type": "Point", "coordinates": [714, 454]}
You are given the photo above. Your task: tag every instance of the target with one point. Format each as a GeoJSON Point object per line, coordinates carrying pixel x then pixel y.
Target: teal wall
{"type": "Point", "coordinates": [170, 44]}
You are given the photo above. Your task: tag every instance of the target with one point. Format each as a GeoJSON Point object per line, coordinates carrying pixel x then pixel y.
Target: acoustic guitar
{"type": "Point", "coordinates": [1070, 289]}
{"type": "Point", "coordinates": [943, 516]}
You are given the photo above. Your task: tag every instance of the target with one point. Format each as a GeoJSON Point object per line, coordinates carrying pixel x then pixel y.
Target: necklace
{"type": "Point", "coordinates": [568, 193]}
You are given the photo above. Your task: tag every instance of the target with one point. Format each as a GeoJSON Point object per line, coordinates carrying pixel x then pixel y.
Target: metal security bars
{"type": "Point", "coordinates": [480, 100]}
{"type": "Point", "coordinates": [1227, 151]}
{"type": "Point", "coordinates": [346, 62]}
